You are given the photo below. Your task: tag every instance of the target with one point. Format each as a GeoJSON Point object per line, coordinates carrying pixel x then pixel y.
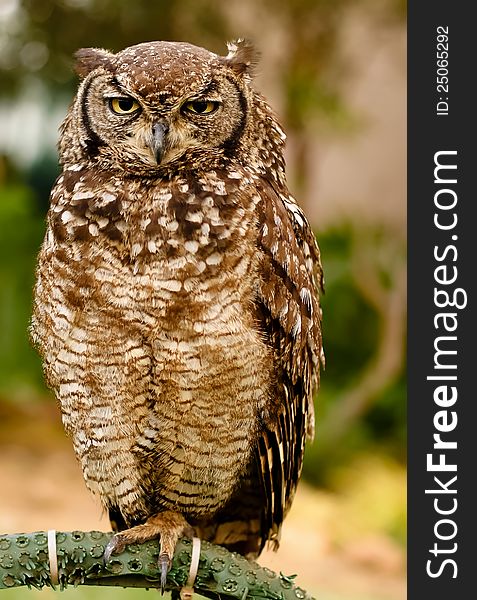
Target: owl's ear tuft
{"type": "Point", "coordinates": [242, 57]}
{"type": "Point", "coordinates": [89, 59]}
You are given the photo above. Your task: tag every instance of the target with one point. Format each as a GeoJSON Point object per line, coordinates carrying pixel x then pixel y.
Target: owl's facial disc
{"type": "Point", "coordinates": [141, 133]}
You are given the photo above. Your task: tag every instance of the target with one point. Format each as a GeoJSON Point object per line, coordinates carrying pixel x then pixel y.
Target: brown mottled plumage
{"type": "Point", "coordinates": [176, 305]}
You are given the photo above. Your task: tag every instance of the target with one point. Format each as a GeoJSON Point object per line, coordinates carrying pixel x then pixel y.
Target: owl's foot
{"type": "Point", "coordinates": [168, 526]}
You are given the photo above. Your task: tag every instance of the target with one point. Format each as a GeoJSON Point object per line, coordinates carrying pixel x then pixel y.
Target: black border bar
{"type": "Point", "coordinates": [442, 259]}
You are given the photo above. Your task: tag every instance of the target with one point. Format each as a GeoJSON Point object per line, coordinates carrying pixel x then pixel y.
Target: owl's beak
{"type": "Point", "coordinates": [158, 139]}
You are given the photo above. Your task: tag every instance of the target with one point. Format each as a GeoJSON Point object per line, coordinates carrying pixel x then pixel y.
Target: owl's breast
{"type": "Point", "coordinates": [209, 383]}
{"type": "Point", "coordinates": [156, 329]}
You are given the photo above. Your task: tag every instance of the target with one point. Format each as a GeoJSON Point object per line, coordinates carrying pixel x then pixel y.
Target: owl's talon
{"type": "Point", "coordinates": [115, 546]}
{"type": "Point", "coordinates": [166, 526]}
{"type": "Point", "coordinates": [164, 562]}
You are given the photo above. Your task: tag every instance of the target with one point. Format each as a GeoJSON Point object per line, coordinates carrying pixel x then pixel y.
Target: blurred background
{"type": "Point", "coordinates": [335, 72]}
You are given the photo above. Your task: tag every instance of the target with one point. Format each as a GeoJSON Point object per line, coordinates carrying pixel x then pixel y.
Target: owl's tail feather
{"type": "Point", "coordinates": [239, 536]}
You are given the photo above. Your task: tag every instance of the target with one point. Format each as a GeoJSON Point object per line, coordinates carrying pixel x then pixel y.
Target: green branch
{"type": "Point", "coordinates": [25, 560]}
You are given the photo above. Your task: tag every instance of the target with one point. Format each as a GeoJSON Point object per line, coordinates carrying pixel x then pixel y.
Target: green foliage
{"type": "Point", "coordinates": [346, 313]}
{"type": "Point", "coordinates": [21, 226]}
{"type": "Point", "coordinates": [352, 334]}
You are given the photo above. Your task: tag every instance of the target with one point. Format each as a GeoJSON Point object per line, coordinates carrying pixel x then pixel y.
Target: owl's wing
{"type": "Point", "coordinates": [289, 309]}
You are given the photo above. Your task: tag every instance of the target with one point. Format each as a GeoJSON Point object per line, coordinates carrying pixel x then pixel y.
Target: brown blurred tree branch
{"type": "Point", "coordinates": [389, 301]}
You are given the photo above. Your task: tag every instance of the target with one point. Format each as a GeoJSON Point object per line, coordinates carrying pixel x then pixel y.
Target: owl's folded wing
{"type": "Point", "coordinates": [290, 313]}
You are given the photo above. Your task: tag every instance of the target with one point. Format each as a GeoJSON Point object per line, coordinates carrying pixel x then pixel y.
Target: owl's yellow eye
{"type": "Point", "coordinates": [123, 106]}
{"type": "Point", "coordinates": [201, 107]}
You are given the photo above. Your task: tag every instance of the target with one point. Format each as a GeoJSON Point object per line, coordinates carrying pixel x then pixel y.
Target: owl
{"type": "Point", "coordinates": [176, 305]}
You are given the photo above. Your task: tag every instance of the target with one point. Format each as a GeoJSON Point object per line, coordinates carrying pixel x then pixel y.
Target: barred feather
{"type": "Point", "coordinates": [291, 318]}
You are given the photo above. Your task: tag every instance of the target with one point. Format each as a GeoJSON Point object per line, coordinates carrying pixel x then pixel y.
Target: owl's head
{"type": "Point", "coordinates": [159, 104]}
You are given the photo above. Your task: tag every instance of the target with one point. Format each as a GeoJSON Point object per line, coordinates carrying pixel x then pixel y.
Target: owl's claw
{"type": "Point", "coordinates": [115, 546]}
{"type": "Point", "coordinates": [167, 526]}
{"type": "Point", "coordinates": [164, 563]}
